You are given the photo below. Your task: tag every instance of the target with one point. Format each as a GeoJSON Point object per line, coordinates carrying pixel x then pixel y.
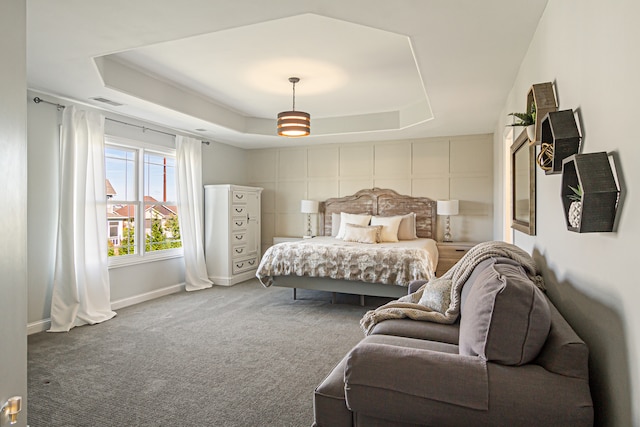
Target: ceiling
{"type": "Point", "coordinates": [219, 69]}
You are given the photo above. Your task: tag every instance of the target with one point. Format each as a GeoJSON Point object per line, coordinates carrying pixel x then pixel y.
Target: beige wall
{"type": "Point", "coordinates": [589, 50]}
{"type": "Point", "coordinates": [440, 168]}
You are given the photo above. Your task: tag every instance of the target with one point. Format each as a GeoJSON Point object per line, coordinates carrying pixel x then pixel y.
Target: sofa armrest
{"type": "Point", "coordinates": [414, 285]}
{"type": "Point", "coordinates": [398, 372]}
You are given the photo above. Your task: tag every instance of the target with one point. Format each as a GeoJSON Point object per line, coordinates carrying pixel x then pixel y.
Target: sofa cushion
{"type": "Point", "coordinates": [410, 328]}
{"type": "Point", "coordinates": [396, 369]}
{"type": "Point", "coordinates": [564, 352]}
{"type": "Point", "coordinates": [466, 288]}
{"type": "Point", "coordinates": [506, 318]}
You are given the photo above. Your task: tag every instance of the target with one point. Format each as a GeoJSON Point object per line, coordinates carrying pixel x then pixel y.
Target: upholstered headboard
{"type": "Point", "coordinates": [383, 202]}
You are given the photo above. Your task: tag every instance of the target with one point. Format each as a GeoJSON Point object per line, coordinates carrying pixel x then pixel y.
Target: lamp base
{"type": "Point", "coordinates": [447, 231]}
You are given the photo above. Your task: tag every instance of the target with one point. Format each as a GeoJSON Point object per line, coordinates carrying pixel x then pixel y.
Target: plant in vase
{"type": "Point", "coordinates": [527, 119]}
{"type": "Point", "coordinates": [575, 209]}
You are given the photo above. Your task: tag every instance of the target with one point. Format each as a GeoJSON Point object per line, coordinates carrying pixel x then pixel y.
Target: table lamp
{"type": "Point", "coordinates": [309, 207]}
{"type": "Point", "coordinates": [448, 208]}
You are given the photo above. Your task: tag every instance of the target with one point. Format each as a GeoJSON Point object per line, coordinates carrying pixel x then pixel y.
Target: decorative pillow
{"type": "Point", "coordinates": [390, 225]}
{"type": "Point", "coordinates": [505, 318]}
{"type": "Point", "coordinates": [407, 228]}
{"type": "Point", "coordinates": [362, 233]}
{"type": "Point", "coordinates": [437, 295]}
{"type": "Point", "coordinates": [335, 224]}
{"type": "Point", "coordinates": [347, 218]}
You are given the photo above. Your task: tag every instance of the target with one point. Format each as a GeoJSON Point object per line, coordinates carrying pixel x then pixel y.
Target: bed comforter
{"type": "Point", "coordinates": [387, 263]}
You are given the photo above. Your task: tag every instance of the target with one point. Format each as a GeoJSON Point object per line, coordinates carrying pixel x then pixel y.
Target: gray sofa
{"type": "Point", "coordinates": [511, 359]}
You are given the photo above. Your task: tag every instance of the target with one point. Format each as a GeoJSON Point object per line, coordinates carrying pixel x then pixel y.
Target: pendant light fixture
{"type": "Point", "coordinates": [294, 123]}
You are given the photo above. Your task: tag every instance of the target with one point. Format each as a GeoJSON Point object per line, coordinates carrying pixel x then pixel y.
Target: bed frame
{"type": "Point", "coordinates": [375, 201]}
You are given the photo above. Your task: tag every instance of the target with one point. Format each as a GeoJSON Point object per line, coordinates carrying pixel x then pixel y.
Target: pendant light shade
{"type": "Point", "coordinates": [294, 123]}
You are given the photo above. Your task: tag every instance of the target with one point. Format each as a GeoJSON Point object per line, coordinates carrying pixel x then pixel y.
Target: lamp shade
{"type": "Point", "coordinates": [294, 123]}
{"type": "Point", "coordinates": [309, 206]}
{"type": "Point", "coordinates": [447, 207]}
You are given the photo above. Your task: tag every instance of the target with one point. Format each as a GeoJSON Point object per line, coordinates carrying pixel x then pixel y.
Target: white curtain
{"type": "Point", "coordinates": [81, 292]}
{"type": "Point", "coordinates": [190, 211]}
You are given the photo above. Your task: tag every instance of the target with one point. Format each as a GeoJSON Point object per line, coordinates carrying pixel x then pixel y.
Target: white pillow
{"type": "Point", "coordinates": [335, 224]}
{"type": "Point", "coordinates": [347, 218]}
{"type": "Point", "coordinates": [389, 225]}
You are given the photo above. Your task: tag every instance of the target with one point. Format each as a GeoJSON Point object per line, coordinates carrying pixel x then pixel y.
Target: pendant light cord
{"type": "Point", "coordinates": [294, 97]}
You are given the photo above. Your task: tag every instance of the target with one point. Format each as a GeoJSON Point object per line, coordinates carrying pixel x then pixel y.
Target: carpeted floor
{"type": "Point", "coordinates": [227, 356]}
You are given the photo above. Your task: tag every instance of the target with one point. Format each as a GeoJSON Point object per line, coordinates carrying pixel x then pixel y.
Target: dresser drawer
{"type": "Point", "coordinates": [239, 237]}
{"type": "Point", "coordinates": [244, 264]}
{"type": "Point", "coordinates": [239, 211]}
{"type": "Point", "coordinates": [239, 197]}
{"type": "Point", "coordinates": [239, 223]}
{"type": "Point", "coordinates": [239, 251]}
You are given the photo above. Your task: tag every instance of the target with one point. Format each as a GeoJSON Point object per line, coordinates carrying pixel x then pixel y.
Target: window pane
{"type": "Point", "coordinates": [162, 229]}
{"type": "Point", "coordinates": [120, 169]}
{"type": "Point", "coordinates": [122, 235]}
{"type": "Point", "coordinates": [142, 216]}
{"type": "Point", "coordinates": [159, 175]}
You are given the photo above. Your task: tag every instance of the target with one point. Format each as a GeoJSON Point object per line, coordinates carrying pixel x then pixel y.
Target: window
{"type": "Point", "coordinates": [141, 195]}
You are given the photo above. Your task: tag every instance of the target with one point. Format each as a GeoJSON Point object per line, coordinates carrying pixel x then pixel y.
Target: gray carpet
{"type": "Point", "coordinates": [226, 356]}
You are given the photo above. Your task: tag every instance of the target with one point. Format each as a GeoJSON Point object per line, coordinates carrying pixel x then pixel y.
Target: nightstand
{"type": "Point", "coordinates": [449, 253]}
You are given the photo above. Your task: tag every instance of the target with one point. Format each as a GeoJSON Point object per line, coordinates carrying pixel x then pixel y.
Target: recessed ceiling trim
{"type": "Point", "coordinates": [131, 81]}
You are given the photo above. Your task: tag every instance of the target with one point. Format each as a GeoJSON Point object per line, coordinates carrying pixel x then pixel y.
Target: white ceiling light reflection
{"type": "Point", "coordinates": [318, 77]}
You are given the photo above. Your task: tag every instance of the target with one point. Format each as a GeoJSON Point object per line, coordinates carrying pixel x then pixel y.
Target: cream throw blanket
{"type": "Point", "coordinates": [452, 281]}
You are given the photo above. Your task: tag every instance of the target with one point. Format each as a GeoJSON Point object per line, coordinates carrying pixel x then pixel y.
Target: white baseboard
{"type": "Point", "coordinates": [148, 296]}
{"type": "Point", "coordinates": [39, 326]}
{"type": "Point", "coordinates": [233, 280]}
{"type": "Point", "coordinates": [43, 325]}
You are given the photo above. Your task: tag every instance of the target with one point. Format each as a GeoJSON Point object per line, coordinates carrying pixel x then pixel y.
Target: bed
{"type": "Point", "coordinates": [332, 264]}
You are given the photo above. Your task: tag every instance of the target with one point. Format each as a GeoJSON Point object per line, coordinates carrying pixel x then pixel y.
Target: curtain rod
{"type": "Point", "coordinates": [60, 107]}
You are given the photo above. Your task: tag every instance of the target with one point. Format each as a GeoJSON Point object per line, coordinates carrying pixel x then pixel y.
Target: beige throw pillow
{"type": "Point", "coordinates": [407, 228]}
{"type": "Point", "coordinates": [362, 233]}
{"type": "Point", "coordinates": [347, 218]}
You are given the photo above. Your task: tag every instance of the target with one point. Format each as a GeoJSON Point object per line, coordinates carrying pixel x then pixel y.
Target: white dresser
{"type": "Point", "coordinates": [232, 232]}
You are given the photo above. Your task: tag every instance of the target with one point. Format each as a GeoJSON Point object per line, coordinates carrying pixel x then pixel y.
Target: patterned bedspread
{"type": "Point", "coordinates": [387, 263]}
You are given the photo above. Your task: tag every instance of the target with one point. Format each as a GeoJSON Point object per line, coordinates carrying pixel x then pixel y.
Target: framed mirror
{"type": "Point", "coordinates": [523, 185]}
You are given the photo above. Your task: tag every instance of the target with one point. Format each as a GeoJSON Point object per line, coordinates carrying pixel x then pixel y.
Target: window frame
{"type": "Point", "coordinates": [141, 256]}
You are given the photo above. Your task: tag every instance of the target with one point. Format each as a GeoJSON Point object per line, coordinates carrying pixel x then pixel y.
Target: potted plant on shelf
{"type": "Point", "coordinates": [528, 120]}
{"type": "Point", "coordinates": [575, 209]}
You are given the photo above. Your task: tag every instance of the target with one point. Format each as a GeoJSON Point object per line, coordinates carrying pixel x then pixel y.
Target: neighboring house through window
{"type": "Point", "coordinates": [142, 212]}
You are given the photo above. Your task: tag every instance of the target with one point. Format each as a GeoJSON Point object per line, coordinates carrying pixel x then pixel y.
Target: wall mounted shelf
{"type": "Point", "coordinates": [593, 173]}
{"type": "Point", "coordinates": [544, 98]}
{"type": "Point", "coordinates": [559, 129]}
